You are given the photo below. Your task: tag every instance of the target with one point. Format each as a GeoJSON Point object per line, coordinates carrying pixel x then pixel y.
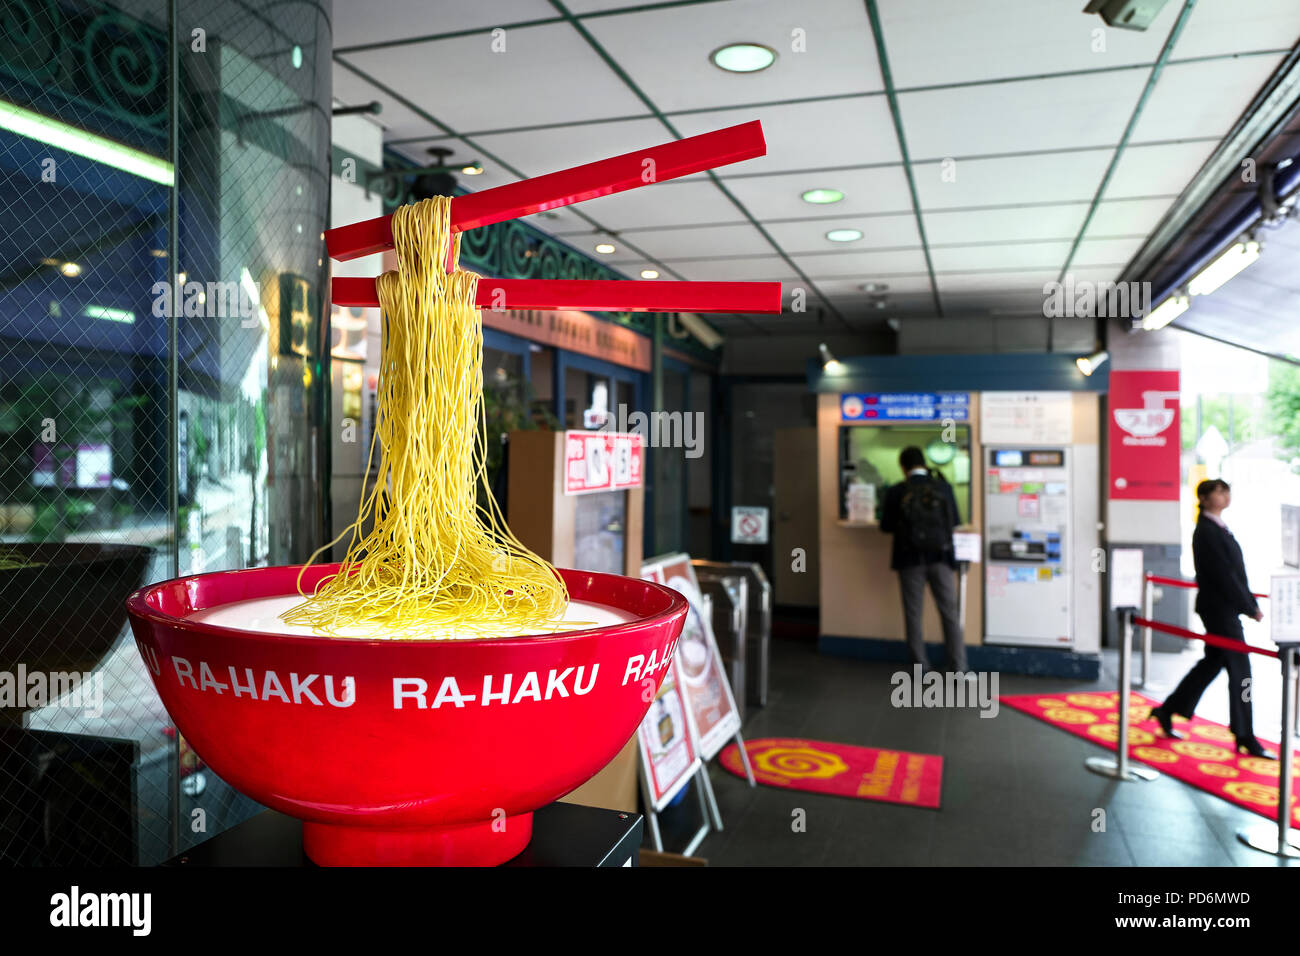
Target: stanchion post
{"type": "Point", "coordinates": [1295, 690]}
{"type": "Point", "coordinates": [1281, 842]}
{"type": "Point", "coordinates": [1288, 741]}
{"type": "Point", "coordinates": [1119, 768]}
{"type": "Point", "coordinates": [1125, 658]}
{"type": "Point", "coordinates": [1148, 612]}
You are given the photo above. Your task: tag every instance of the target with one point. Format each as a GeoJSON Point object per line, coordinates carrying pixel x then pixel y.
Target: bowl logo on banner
{"type": "Point", "coordinates": [1144, 430]}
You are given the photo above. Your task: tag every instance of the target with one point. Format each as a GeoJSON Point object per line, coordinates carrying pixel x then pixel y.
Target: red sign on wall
{"type": "Point", "coordinates": [602, 461]}
{"type": "Point", "coordinates": [1144, 435]}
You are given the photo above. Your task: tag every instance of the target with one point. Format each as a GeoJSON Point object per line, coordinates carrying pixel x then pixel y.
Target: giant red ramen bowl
{"type": "Point", "coordinates": [404, 752]}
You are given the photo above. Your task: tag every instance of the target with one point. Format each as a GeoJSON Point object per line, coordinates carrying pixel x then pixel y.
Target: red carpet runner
{"type": "Point", "coordinates": [891, 776]}
{"type": "Point", "coordinates": [1206, 759]}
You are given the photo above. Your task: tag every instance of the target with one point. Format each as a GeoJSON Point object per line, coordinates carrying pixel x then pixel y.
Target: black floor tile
{"type": "Point", "coordinates": [1015, 790]}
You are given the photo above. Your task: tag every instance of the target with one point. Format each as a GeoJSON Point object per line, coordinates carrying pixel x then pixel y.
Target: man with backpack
{"type": "Point", "coordinates": [921, 512]}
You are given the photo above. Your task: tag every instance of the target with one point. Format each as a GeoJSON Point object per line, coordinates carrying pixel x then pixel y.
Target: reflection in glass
{"type": "Point", "coordinates": [161, 388]}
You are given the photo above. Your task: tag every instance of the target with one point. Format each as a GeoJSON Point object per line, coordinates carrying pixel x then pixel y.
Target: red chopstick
{"type": "Point", "coordinates": [601, 178]}
{"type": "Point", "coordinates": [595, 295]}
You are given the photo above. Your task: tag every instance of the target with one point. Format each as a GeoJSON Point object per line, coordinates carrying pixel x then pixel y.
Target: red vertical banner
{"type": "Point", "coordinates": [1145, 435]}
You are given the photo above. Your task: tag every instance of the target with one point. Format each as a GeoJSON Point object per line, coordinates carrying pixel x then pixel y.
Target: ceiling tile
{"type": "Point", "coordinates": [547, 150]}
{"type": "Point", "coordinates": [377, 21]}
{"type": "Point", "coordinates": [956, 41]}
{"type": "Point", "coordinates": [1230, 26]}
{"type": "Point", "coordinates": [353, 90]}
{"type": "Point", "coordinates": [676, 202]}
{"type": "Point", "coordinates": [669, 245]}
{"type": "Point", "coordinates": [1201, 99]}
{"type": "Point", "coordinates": [859, 308]}
{"type": "Point", "coordinates": [666, 52]}
{"type": "Point", "coordinates": [882, 189]}
{"type": "Point", "coordinates": [1009, 304]}
{"type": "Point", "coordinates": [1087, 273]}
{"type": "Point", "coordinates": [754, 269]}
{"type": "Point", "coordinates": [1012, 223]}
{"type": "Point", "coordinates": [1010, 280]}
{"type": "Point", "coordinates": [999, 230]}
{"type": "Point", "coordinates": [1058, 177]}
{"type": "Point", "coordinates": [1127, 217]}
{"type": "Point", "coordinates": [877, 232]}
{"type": "Point", "coordinates": [1105, 252]}
{"type": "Point", "coordinates": [1159, 170]}
{"type": "Point", "coordinates": [545, 74]}
{"type": "Point", "coordinates": [1013, 256]}
{"type": "Point", "coordinates": [809, 135]}
{"type": "Point", "coordinates": [898, 288]}
{"type": "Point", "coordinates": [862, 266]}
{"type": "Point", "coordinates": [1031, 115]}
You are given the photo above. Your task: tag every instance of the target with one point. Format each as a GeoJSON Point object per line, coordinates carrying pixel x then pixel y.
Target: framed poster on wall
{"type": "Point", "coordinates": [703, 679]}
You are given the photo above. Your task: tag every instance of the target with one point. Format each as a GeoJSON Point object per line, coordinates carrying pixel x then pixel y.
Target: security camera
{"type": "Point", "coordinates": [1127, 14]}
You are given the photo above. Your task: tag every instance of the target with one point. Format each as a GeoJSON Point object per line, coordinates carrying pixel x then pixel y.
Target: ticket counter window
{"type": "Point", "coordinates": [869, 464]}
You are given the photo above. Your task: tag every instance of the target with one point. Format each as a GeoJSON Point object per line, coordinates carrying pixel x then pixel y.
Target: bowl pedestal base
{"type": "Point", "coordinates": [489, 843]}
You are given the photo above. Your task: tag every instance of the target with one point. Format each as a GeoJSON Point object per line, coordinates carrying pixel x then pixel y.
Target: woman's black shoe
{"type": "Point", "coordinates": [1255, 749]}
{"type": "Point", "coordinates": [1166, 722]}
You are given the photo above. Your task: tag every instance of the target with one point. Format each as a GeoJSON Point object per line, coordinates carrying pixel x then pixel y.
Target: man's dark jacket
{"type": "Point", "coordinates": [891, 521]}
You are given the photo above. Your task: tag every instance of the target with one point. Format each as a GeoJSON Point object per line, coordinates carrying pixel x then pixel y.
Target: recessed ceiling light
{"type": "Point", "coordinates": [605, 248]}
{"type": "Point", "coordinates": [743, 57]}
{"type": "Point", "coordinates": [844, 235]}
{"type": "Point", "coordinates": [70, 269]}
{"type": "Point", "coordinates": [874, 288]}
{"type": "Point", "coordinates": [649, 274]}
{"type": "Point", "coordinates": [822, 196]}
{"type": "Point", "coordinates": [472, 170]}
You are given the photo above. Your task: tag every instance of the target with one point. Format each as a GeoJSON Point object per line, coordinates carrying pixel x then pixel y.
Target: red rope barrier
{"type": "Point", "coordinates": [1226, 643]}
{"type": "Point", "coordinates": [1179, 583]}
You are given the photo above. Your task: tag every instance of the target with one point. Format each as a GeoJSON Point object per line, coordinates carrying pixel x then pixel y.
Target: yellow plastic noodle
{"type": "Point", "coordinates": [434, 563]}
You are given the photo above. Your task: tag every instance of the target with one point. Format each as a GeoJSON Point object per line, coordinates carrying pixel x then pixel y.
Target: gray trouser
{"type": "Point", "coordinates": [944, 588]}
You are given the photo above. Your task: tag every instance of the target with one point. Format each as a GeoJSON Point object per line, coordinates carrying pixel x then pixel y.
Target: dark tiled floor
{"type": "Point", "coordinates": [1015, 791]}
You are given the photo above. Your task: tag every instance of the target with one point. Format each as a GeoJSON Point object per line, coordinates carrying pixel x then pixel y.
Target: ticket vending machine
{"type": "Point", "coordinates": [1027, 572]}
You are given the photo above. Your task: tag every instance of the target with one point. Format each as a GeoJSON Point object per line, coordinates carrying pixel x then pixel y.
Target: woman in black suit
{"type": "Point", "coordinates": [1222, 595]}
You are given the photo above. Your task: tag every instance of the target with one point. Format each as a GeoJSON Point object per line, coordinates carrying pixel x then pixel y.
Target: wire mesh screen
{"type": "Point", "coordinates": [163, 189]}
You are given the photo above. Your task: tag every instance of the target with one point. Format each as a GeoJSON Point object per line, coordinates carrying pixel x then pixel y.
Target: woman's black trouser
{"type": "Point", "coordinates": [1184, 699]}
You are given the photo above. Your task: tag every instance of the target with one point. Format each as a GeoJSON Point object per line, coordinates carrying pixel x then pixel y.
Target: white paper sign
{"type": "Point", "coordinates": [966, 544]}
{"type": "Point", "coordinates": [1284, 608]}
{"type": "Point", "coordinates": [1026, 418]}
{"type": "Point", "coordinates": [748, 525]}
{"type": "Point", "coordinates": [1126, 573]}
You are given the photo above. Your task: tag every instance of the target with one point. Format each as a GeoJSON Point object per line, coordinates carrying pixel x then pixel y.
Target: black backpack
{"type": "Point", "coordinates": [925, 518]}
